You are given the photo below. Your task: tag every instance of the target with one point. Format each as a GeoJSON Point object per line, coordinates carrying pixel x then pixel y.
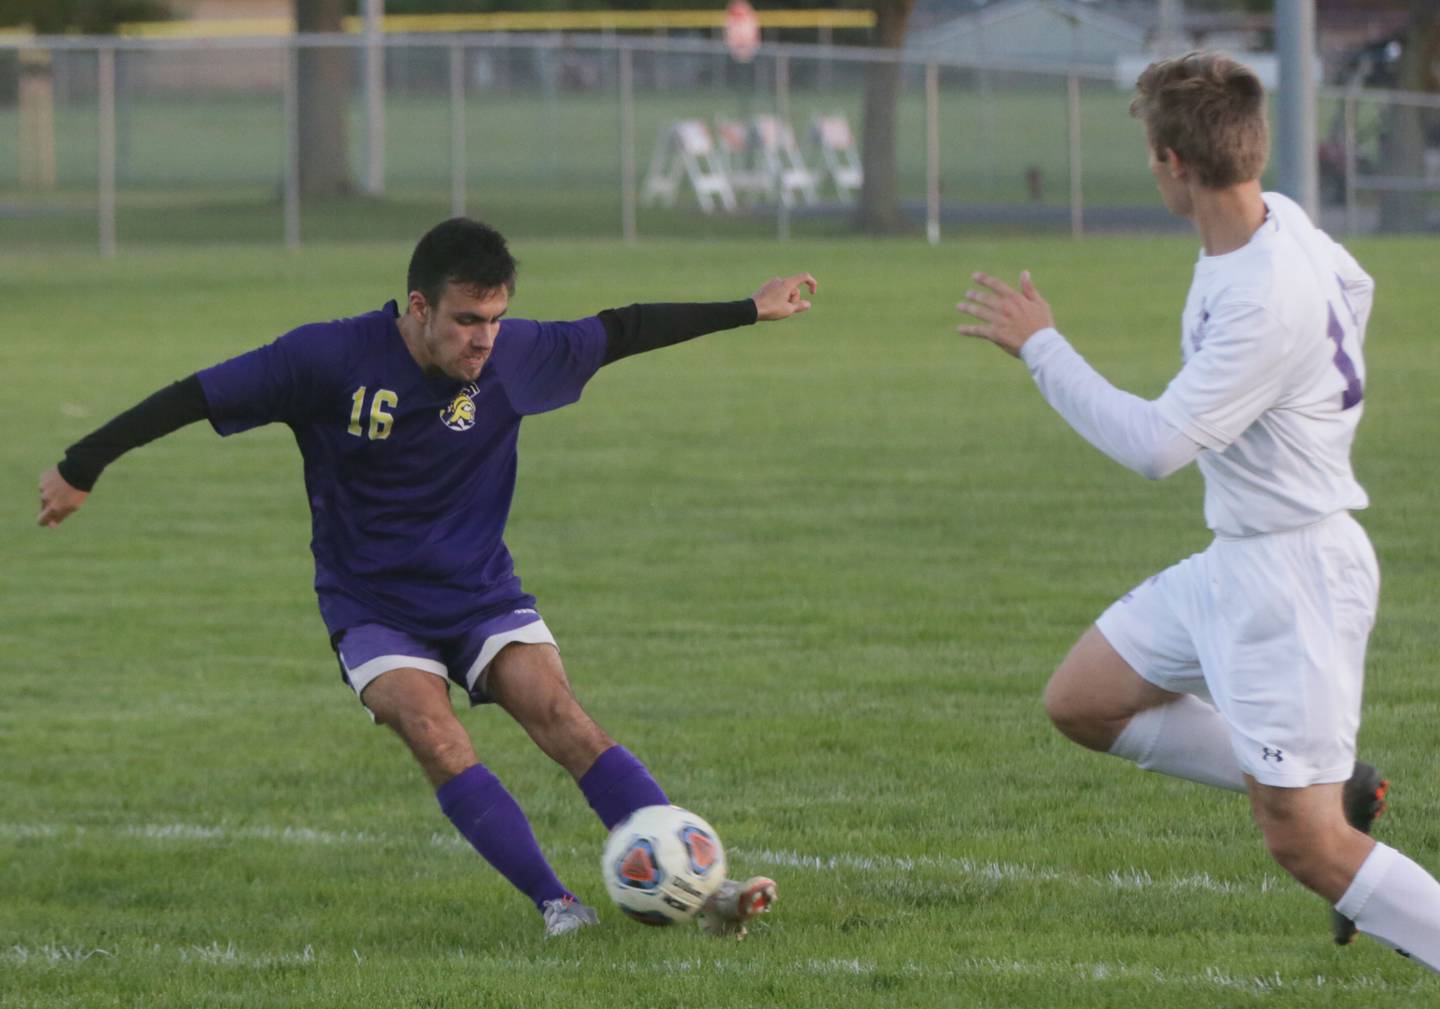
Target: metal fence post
{"type": "Point", "coordinates": [826, 38]}
{"type": "Point", "coordinates": [105, 88]}
{"type": "Point", "coordinates": [374, 97]}
{"type": "Point", "coordinates": [932, 153]}
{"type": "Point", "coordinates": [628, 229]}
{"type": "Point", "coordinates": [291, 183]}
{"type": "Point", "coordinates": [782, 113]}
{"type": "Point", "coordinates": [1295, 104]}
{"type": "Point", "coordinates": [1077, 207]}
{"type": "Point", "coordinates": [458, 168]}
{"type": "Point", "coordinates": [1352, 216]}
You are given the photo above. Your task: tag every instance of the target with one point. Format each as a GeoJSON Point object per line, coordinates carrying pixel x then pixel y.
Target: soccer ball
{"type": "Point", "coordinates": [661, 863]}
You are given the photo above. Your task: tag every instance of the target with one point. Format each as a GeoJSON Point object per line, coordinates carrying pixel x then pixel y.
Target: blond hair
{"type": "Point", "coordinates": [1210, 110]}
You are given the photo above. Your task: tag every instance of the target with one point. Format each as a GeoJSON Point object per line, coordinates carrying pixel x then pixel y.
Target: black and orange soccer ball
{"type": "Point", "coordinates": [661, 863]}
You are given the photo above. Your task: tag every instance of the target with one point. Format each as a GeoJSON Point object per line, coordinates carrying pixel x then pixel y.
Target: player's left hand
{"type": "Point", "coordinates": [782, 297]}
{"type": "Point", "coordinates": [58, 500]}
{"type": "Point", "coordinates": [1010, 317]}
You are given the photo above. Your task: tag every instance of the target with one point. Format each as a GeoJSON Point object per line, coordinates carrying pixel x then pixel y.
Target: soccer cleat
{"type": "Point", "coordinates": [734, 904]}
{"type": "Point", "coordinates": [565, 915]}
{"type": "Point", "coordinates": [1364, 801]}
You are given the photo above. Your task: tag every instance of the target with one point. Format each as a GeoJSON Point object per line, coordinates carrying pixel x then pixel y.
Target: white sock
{"type": "Point", "coordinates": [1397, 902]}
{"type": "Point", "coordinates": [1187, 739]}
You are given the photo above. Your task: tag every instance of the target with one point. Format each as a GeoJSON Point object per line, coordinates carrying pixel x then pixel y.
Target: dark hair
{"type": "Point", "coordinates": [1210, 110]}
{"type": "Point", "coordinates": [460, 251]}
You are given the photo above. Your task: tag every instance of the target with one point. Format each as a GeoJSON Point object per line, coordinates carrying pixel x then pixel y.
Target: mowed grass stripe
{"type": "Point", "coordinates": [1060, 972]}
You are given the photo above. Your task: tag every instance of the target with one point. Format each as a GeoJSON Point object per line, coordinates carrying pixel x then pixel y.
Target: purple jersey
{"type": "Point", "coordinates": [409, 475]}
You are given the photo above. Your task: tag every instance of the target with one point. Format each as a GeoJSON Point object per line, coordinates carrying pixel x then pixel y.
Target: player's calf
{"type": "Point", "coordinates": [1364, 800]}
{"type": "Point", "coordinates": [1308, 836]}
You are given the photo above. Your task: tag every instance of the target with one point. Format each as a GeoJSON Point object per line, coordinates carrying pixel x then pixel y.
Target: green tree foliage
{"type": "Point", "coordinates": [85, 17]}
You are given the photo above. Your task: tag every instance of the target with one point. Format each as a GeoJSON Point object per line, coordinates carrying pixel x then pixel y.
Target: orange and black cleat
{"type": "Point", "coordinates": [729, 908]}
{"type": "Point", "coordinates": [1364, 800]}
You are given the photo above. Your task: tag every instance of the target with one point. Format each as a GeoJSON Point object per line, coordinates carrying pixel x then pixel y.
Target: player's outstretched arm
{"type": "Point", "coordinates": [65, 486]}
{"type": "Point", "coordinates": [1008, 317]}
{"type": "Point", "coordinates": [1125, 427]}
{"type": "Point", "coordinates": [782, 297]}
{"type": "Point", "coordinates": [637, 329]}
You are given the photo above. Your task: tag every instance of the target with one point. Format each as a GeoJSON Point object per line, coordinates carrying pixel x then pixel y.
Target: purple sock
{"type": "Point", "coordinates": [617, 784]}
{"type": "Point", "coordinates": [495, 826]}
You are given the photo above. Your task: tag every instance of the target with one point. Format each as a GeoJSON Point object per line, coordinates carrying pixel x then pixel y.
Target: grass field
{"type": "Point", "coordinates": [815, 574]}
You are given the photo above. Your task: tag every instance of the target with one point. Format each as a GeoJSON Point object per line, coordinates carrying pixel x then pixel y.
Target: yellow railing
{"type": "Point", "coordinates": [516, 21]}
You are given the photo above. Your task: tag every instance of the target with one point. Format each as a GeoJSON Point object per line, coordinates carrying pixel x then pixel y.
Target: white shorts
{"type": "Point", "coordinates": [1272, 629]}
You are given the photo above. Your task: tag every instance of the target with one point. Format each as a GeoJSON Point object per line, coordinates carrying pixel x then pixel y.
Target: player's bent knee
{"type": "Point", "coordinates": [569, 727]}
{"type": "Point", "coordinates": [1302, 857]}
{"type": "Point", "coordinates": [1059, 704]}
{"type": "Point", "coordinates": [558, 712]}
{"type": "Point", "coordinates": [1302, 848]}
{"type": "Point", "coordinates": [441, 746]}
{"type": "Point", "coordinates": [1072, 711]}
{"type": "Point", "coordinates": [1285, 844]}
{"type": "Point", "coordinates": [421, 729]}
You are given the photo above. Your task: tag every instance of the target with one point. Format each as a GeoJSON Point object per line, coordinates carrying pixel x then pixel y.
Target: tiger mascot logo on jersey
{"type": "Point", "coordinates": [459, 413]}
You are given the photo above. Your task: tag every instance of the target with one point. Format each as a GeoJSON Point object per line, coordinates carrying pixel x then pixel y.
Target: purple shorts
{"type": "Point", "coordinates": [367, 650]}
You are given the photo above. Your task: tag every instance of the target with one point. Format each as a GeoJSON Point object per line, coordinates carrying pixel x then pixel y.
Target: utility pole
{"type": "Point", "coordinates": [1170, 35]}
{"type": "Point", "coordinates": [375, 97]}
{"type": "Point", "coordinates": [1295, 105]}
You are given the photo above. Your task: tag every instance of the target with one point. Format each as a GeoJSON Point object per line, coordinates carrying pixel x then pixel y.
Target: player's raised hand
{"type": "Point", "coordinates": [57, 498]}
{"type": "Point", "coordinates": [782, 297]}
{"type": "Point", "coordinates": [1009, 317]}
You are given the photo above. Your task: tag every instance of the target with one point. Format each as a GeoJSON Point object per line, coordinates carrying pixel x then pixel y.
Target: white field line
{"type": "Point", "coordinates": [1064, 973]}
{"type": "Point", "coordinates": [212, 953]}
{"type": "Point", "coordinates": [1125, 880]}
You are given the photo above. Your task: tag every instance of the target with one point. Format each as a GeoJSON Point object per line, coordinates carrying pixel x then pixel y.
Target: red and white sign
{"type": "Point", "coordinates": [742, 30]}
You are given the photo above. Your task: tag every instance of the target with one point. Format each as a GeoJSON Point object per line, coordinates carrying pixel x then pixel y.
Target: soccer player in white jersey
{"type": "Point", "coordinates": [1242, 666]}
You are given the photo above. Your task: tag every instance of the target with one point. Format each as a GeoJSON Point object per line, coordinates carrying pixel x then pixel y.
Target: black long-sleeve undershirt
{"type": "Point", "coordinates": [628, 331]}
{"type": "Point", "coordinates": [170, 409]}
{"type": "Point", "coordinates": [638, 328]}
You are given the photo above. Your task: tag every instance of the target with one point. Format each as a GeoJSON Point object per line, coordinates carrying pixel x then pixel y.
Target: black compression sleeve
{"type": "Point", "coordinates": [639, 328]}
{"type": "Point", "coordinates": [167, 410]}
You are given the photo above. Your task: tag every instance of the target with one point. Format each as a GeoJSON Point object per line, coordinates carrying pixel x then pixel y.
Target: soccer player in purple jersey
{"type": "Point", "coordinates": [1241, 667]}
{"type": "Point", "coordinates": [407, 422]}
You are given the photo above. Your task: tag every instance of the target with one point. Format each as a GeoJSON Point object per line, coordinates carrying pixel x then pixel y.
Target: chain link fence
{"type": "Point", "coordinates": [113, 143]}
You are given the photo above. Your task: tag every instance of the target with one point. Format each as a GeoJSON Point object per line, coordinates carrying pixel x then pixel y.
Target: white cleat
{"type": "Point", "coordinates": [565, 915]}
{"type": "Point", "coordinates": [729, 908]}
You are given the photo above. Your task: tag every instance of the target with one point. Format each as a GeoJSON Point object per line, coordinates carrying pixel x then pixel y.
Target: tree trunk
{"type": "Point", "coordinates": [324, 92]}
{"type": "Point", "coordinates": [36, 99]}
{"type": "Point", "coordinates": [879, 192]}
{"type": "Point", "coordinates": [1402, 144]}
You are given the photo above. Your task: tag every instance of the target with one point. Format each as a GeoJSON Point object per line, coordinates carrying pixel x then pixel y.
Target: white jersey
{"type": "Point", "coordinates": [1274, 377]}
